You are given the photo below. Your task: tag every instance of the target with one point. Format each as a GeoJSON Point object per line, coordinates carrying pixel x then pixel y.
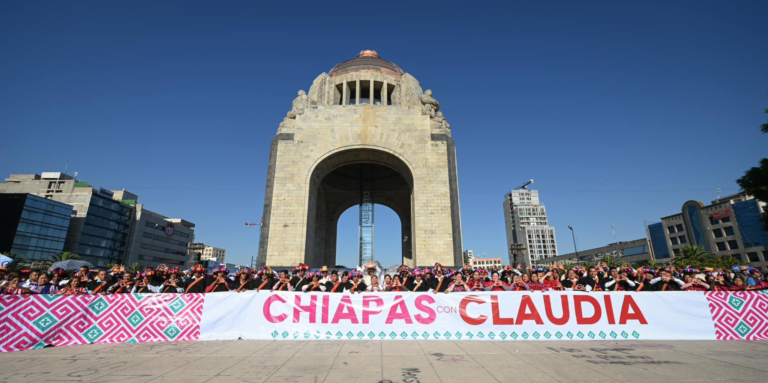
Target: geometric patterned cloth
{"type": "Point", "coordinates": [34, 321]}
{"type": "Point", "coordinates": [740, 315]}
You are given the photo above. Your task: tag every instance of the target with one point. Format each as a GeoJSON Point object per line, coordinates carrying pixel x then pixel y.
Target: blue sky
{"type": "Point", "coordinates": [621, 112]}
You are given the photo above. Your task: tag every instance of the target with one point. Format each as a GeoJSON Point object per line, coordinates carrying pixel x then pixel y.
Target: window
{"type": "Point", "coordinates": [682, 239]}
{"type": "Point", "coordinates": [726, 219]}
{"type": "Point", "coordinates": [671, 229]}
{"type": "Point", "coordinates": [753, 257]}
{"type": "Point", "coordinates": [674, 241]}
{"type": "Point", "coordinates": [733, 244]}
{"type": "Point", "coordinates": [728, 230]}
{"type": "Point", "coordinates": [713, 221]}
{"type": "Point", "coordinates": [721, 246]}
{"type": "Point", "coordinates": [737, 256]}
{"type": "Point", "coordinates": [679, 227]}
{"type": "Point", "coordinates": [718, 233]}
{"type": "Point", "coordinates": [676, 251]}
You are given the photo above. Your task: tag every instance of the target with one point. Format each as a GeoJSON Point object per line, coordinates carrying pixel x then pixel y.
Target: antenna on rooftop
{"type": "Point", "coordinates": [718, 193]}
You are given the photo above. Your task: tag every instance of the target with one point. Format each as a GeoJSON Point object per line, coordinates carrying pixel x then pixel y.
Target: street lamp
{"type": "Point", "coordinates": [574, 241]}
{"type": "Point", "coordinates": [151, 242]}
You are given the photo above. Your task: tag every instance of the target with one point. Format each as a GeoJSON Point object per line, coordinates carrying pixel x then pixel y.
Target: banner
{"type": "Point", "coordinates": [464, 316]}
{"type": "Point", "coordinates": [35, 321]}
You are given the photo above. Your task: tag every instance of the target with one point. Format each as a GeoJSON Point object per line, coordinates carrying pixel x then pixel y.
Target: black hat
{"type": "Point", "coordinates": [334, 272]}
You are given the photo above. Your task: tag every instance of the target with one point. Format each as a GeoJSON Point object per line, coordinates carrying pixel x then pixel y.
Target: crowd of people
{"type": "Point", "coordinates": [437, 279]}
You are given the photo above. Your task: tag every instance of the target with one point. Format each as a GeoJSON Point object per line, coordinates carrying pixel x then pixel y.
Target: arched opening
{"type": "Point", "coordinates": [336, 185]}
{"type": "Point", "coordinates": [387, 247]}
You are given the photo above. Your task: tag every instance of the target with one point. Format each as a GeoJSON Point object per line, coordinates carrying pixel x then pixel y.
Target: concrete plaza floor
{"type": "Point", "coordinates": [394, 361]}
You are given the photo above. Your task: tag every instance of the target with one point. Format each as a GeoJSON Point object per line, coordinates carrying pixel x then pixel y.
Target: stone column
{"type": "Point", "coordinates": [344, 96]}
{"type": "Point", "coordinates": [357, 92]}
{"type": "Point", "coordinates": [384, 93]}
{"type": "Point", "coordinates": [370, 93]}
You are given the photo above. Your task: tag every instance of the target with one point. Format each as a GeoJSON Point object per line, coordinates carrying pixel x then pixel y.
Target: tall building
{"type": "Point", "coordinates": [107, 226]}
{"type": "Point", "coordinates": [469, 255]}
{"type": "Point", "coordinates": [529, 236]}
{"type": "Point", "coordinates": [32, 227]}
{"type": "Point", "coordinates": [214, 254]}
{"type": "Point", "coordinates": [157, 239]}
{"type": "Point", "coordinates": [99, 226]}
{"type": "Point", "coordinates": [486, 262]}
{"type": "Point", "coordinates": [731, 225]}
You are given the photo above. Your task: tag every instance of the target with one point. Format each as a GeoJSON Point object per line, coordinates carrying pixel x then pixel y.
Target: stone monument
{"type": "Point", "coordinates": [364, 125]}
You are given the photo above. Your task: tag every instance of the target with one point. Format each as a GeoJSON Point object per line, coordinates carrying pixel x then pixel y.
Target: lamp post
{"type": "Point", "coordinates": [151, 242]}
{"type": "Point", "coordinates": [574, 241]}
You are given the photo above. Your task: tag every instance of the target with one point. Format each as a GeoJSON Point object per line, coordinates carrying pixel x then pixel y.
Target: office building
{"type": "Point", "coordinates": [211, 253]}
{"type": "Point", "coordinates": [468, 255]}
{"type": "Point", "coordinates": [32, 227]}
{"type": "Point", "coordinates": [99, 226]}
{"type": "Point", "coordinates": [157, 239]}
{"type": "Point", "coordinates": [731, 225]}
{"type": "Point", "coordinates": [529, 237]}
{"type": "Point", "coordinates": [486, 262]}
{"type": "Point", "coordinates": [634, 251]}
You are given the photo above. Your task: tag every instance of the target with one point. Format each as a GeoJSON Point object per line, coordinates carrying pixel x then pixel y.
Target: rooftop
{"type": "Point", "coordinates": [367, 61]}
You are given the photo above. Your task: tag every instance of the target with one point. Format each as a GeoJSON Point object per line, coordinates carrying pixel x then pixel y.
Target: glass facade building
{"type": "Point", "coordinates": [32, 227]}
{"type": "Point", "coordinates": [105, 228]}
{"type": "Point", "coordinates": [658, 240]}
{"type": "Point", "coordinates": [749, 217]}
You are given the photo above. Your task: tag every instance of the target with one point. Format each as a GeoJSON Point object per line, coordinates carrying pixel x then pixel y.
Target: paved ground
{"type": "Point", "coordinates": [393, 361]}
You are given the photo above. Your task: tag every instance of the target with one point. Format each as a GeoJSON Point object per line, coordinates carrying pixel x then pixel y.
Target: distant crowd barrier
{"type": "Point", "coordinates": [35, 321]}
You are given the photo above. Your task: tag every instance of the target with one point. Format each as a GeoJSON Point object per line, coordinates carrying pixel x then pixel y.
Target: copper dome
{"type": "Point", "coordinates": [367, 61]}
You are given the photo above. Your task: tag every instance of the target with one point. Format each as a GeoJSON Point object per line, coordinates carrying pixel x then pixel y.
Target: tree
{"type": "Point", "coordinates": [694, 256]}
{"type": "Point", "coordinates": [652, 263]}
{"type": "Point", "coordinates": [567, 266]}
{"type": "Point", "coordinates": [65, 256]}
{"type": "Point", "coordinates": [726, 262]}
{"type": "Point", "coordinates": [610, 261]}
{"type": "Point", "coordinates": [587, 265]}
{"type": "Point", "coordinates": [136, 267]}
{"type": "Point", "coordinates": [755, 180]}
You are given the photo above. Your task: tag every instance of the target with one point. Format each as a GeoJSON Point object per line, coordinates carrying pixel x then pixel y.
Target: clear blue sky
{"type": "Point", "coordinates": [621, 112]}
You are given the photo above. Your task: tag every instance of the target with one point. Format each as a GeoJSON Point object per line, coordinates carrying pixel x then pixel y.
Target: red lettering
{"type": "Point", "coordinates": [497, 319]}
{"type": "Point", "coordinates": [326, 304]}
{"type": "Point", "coordinates": [566, 310]}
{"type": "Point", "coordinates": [578, 300]}
{"type": "Point", "coordinates": [399, 311]}
{"type": "Point", "coordinates": [463, 310]}
{"type": "Point", "coordinates": [345, 311]}
{"type": "Point", "coordinates": [268, 305]}
{"type": "Point", "coordinates": [609, 309]}
{"type": "Point", "coordinates": [636, 313]}
{"type": "Point", "coordinates": [298, 308]}
{"type": "Point", "coordinates": [367, 310]}
{"type": "Point", "coordinates": [421, 305]}
{"type": "Point", "coordinates": [522, 314]}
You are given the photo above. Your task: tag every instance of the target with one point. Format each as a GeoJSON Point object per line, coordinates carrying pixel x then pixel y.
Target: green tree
{"type": "Point", "coordinates": [725, 262]}
{"type": "Point", "coordinates": [587, 265]}
{"type": "Point", "coordinates": [136, 267]}
{"type": "Point", "coordinates": [652, 263]}
{"type": "Point", "coordinates": [755, 180]}
{"type": "Point", "coordinates": [567, 266]}
{"type": "Point", "coordinates": [611, 261]}
{"type": "Point", "coordinates": [694, 256]}
{"type": "Point", "coordinates": [65, 256]}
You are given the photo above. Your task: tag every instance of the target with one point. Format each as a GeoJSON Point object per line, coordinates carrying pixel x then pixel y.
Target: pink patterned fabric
{"type": "Point", "coordinates": [739, 315]}
{"type": "Point", "coordinates": [34, 321]}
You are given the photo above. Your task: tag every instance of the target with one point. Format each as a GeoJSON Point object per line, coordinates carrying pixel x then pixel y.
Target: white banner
{"type": "Point", "coordinates": [457, 316]}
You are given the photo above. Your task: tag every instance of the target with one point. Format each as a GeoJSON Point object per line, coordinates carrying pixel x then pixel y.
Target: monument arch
{"type": "Point", "coordinates": [364, 134]}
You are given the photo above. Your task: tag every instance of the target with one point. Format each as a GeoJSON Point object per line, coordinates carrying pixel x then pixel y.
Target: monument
{"type": "Point", "coordinates": [364, 134]}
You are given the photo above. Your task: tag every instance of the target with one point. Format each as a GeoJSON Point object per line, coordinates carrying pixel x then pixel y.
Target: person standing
{"type": "Point", "coordinates": [298, 281]}
{"type": "Point", "coordinates": [198, 283]}
{"type": "Point", "coordinates": [334, 285]}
